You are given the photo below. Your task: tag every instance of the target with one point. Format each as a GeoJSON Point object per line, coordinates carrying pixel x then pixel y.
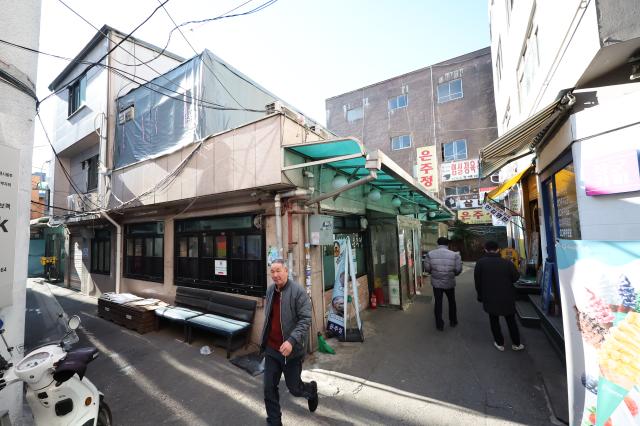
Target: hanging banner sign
{"type": "Point", "coordinates": [9, 160]}
{"type": "Point", "coordinates": [460, 170]}
{"type": "Point", "coordinates": [599, 290]}
{"type": "Point", "coordinates": [428, 167]}
{"type": "Point", "coordinates": [497, 212]}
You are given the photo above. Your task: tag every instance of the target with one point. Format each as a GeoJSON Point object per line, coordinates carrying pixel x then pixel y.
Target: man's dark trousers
{"type": "Point", "coordinates": [514, 333]}
{"type": "Point", "coordinates": [274, 365]}
{"type": "Point", "coordinates": [451, 297]}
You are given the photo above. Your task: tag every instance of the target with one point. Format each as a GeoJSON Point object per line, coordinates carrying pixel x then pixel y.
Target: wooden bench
{"type": "Point", "coordinates": [222, 314]}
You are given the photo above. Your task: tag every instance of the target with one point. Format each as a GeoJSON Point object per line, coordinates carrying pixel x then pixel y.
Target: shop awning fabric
{"type": "Point", "coordinates": [523, 139]}
{"type": "Point", "coordinates": [349, 157]}
{"type": "Point", "coordinates": [507, 185]}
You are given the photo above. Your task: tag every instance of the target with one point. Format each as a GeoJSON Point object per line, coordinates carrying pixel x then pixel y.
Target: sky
{"type": "Point", "coordinates": [303, 51]}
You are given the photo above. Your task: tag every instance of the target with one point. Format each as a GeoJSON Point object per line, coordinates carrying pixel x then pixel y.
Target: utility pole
{"type": "Point", "coordinates": [20, 24]}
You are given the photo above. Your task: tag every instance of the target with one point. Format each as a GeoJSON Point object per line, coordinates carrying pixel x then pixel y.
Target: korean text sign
{"type": "Point", "coordinates": [428, 167]}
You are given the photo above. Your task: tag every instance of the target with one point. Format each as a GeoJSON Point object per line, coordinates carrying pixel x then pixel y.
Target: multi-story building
{"type": "Point", "coordinates": [39, 199]}
{"type": "Point", "coordinates": [207, 178]}
{"type": "Point", "coordinates": [432, 122]}
{"type": "Point", "coordinates": [566, 89]}
{"type": "Point", "coordinates": [84, 126]}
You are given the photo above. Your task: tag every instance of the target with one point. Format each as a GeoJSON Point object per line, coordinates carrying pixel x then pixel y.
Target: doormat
{"type": "Point", "coordinates": [252, 363]}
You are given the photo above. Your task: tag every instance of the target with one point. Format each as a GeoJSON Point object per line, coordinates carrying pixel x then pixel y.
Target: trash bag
{"type": "Point", "coordinates": [323, 346]}
{"type": "Point", "coordinates": [205, 350]}
{"type": "Point", "coordinates": [252, 363]}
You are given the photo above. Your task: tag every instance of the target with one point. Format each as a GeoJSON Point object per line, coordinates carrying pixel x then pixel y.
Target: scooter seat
{"type": "Point", "coordinates": [85, 355]}
{"type": "Point", "coordinates": [75, 362]}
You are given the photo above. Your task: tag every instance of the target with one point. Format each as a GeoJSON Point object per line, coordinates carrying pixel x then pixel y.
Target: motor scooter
{"type": "Point", "coordinates": [58, 392]}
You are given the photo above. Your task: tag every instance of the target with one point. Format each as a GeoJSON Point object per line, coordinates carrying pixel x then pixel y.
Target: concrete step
{"type": "Point", "coordinates": [527, 313]}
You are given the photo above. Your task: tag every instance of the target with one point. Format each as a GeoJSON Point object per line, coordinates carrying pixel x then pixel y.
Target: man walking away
{"type": "Point", "coordinates": [444, 265]}
{"type": "Point", "coordinates": [494, 278]}
{"type": "Point", "coordinates": [286, 329]}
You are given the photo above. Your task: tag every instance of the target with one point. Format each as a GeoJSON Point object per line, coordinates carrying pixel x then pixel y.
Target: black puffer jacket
{"type": "Point", "coordinates": [494, 278]}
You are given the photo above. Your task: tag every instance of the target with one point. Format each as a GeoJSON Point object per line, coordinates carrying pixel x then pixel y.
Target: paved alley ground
{"type": "Point", "coordinates": [405, 372]}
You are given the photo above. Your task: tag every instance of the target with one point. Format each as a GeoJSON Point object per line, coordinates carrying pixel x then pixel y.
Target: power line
{"type": "Point", "coordinates": [64, 170]}
{"type": "Point", "coordinates": [117, 44]}
{"type": "Point", "coordinates": [135, 79]}
{"type": "Point", "coordinates": [55, 207]}
{"type": "Point", "coordinates": [203, 61]}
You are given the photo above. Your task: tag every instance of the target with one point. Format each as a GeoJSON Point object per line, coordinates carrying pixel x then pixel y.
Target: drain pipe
{"type": "Point", "coordinates": [118, 247]}
{"type": "Point", "coordinates": [278, 205]}
{"type": "Point", "coordinates": [372, 176]}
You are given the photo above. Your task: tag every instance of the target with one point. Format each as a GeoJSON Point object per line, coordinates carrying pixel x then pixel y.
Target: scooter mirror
{"type": "Point", "coordinates": [74, 322]}
{"type": "Point", "coordinates": [1, 324]}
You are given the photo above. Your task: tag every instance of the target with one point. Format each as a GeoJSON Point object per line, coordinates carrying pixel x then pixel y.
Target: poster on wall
{"type": "Point", "coordinates": [9, 160]}
{"type": "Point", "coordinates": [221, 267]}
{"type": "Point", "coordinates": [600, 292]}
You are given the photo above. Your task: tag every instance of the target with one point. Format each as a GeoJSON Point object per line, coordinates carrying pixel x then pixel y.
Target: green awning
{"type": "Point", "coordinates": [349, 157]}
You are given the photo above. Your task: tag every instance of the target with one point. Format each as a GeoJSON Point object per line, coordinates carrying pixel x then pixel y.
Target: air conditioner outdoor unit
{"type": "Point", "coordinates": [73, 202]}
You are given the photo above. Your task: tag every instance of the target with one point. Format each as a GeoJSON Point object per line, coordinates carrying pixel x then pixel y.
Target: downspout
{"type": "Point", "coordinates": [373, 174]}
{"type": "Point", "coordinates": [118, 247]}
{"type": "Point", "coordinates": [278, 213]}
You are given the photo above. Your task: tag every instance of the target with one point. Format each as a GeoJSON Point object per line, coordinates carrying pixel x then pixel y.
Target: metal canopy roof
{"type": "Point", "coordinates": [523, 139]}
{"type": "Point", "coordinates": [348, 156]}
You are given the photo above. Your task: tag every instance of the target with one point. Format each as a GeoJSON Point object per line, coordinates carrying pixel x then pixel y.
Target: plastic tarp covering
{"type": "Point", "coordinates": [200, 97]}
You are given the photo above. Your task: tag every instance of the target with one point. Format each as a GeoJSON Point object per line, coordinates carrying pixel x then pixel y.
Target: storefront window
{"type": "Point", "coordinates": [567, 204]}
{"type": "Point", "coordinates": [208, 255]}
{"type": "Point", "coordinates": [144, 254]}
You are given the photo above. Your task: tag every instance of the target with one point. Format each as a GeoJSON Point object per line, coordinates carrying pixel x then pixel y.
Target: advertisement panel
{"type": "Point", "coordinates": [460, 170]}
{"type": "Point", "coordinates": [474, 216]}
{"type": "Point", "coordinates": [428, 167]}
{"type": "Point", "coordinates": [600, 287]}
{"type": "Point", "coordinates": [9, 160]}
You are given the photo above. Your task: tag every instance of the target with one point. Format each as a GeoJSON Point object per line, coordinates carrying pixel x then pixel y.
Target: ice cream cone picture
{"type": "Point", "coordinates": [619, 359]}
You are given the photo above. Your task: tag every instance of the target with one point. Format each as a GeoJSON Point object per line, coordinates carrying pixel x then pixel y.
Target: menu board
{"type": "Point", "coordinates": [567, 203]}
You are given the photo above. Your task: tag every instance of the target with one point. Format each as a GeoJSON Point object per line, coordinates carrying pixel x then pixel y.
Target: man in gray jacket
{"type": "Point", "coordinates": [286, 329]}
{"type": "Point", "coordinates": [444, 265]}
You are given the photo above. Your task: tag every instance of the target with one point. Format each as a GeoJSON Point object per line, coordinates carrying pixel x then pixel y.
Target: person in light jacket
{"type": "Point", "coordinates": [286, 329]}
{"type": "Point", "coordinates": [494, 278]}
{"type": "Point", "coordinates": [444, 265]}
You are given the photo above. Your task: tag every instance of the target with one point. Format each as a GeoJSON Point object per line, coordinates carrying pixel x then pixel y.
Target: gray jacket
{"type": "Point", "coordinates": [444, 265]}
{"type": "Point", "coordinates": [295, 317]}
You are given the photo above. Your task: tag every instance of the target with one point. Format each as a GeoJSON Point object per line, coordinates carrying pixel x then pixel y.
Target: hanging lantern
{"type": "Point", "coordinates": [374, 195]}
{"type": "Point", "coordinates": [339, 181]}
{"type": "Point", "coordinates": [396, 202]}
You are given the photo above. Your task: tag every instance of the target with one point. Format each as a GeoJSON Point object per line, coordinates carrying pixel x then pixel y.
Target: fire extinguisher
{"type": "Point", "coordinates": [374, 301]}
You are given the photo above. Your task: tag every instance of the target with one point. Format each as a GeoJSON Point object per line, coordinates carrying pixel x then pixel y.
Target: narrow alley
{"type": "Point", "coordinates": [405, 372]}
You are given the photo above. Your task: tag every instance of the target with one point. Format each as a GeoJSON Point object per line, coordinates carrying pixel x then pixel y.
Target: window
{"type": "Point", "coordinates": [398, 102]}
{"type": "Point", "coordinates": [400, 142]}
{"type": "Point", "coordinates": [499, 63]}
{"type": "Point", "coordinates": [77, 93]}
{"type": "Point", "coordinates": [450, 91]}
{"type": "Point", "coordinates": [355, 114]}
{"type": "Point", "coordinates": [144, 251]}
{"type": "Point", "coordinates": [221, 253]}
{"type": "Point", "coordinates": [101, 252]}
{"type": "Point", "coordinates": [92, 173]}
{"type": "Point", "coordinates": [457, 190]}
{"type": "Point", "coordinates": [454, 151]}
{"type": "Point", "coordinates": [528, 65]}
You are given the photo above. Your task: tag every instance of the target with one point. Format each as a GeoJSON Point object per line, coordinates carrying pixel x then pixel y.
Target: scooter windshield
{"type": "Point", "coordinates": [46, 322]}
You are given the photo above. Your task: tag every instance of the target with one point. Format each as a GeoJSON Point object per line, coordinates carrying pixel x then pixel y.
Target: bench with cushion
{"type": "Point", "coordinates": [208, 310]}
